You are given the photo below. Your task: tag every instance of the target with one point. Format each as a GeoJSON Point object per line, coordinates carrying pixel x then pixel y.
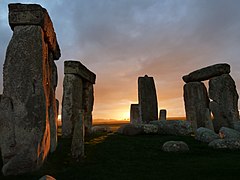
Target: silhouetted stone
{"type": "Point", "coordinates": [232, 144]}
{"type": "Point", "coordinates": [77, 147]}
{"type": "Point", "coordinates": [228, 133]}
{"type": "Point", "coordinates": [205, 135]}
{"type": "Point", "coordinates": [174, 127]}
{"type": "Point", "coordinates": [27, 95]}
{"type": "Point", "coordinates": [163, 114]}
{"type": "Point", "coordinates": [147, 99]}
{"type": "Point", "coordinates": [207, 72]}
{"type": "Point", "coordinates": [196, 104]}
{"type": "Point", "coordinates": [77, 95]}
{"type": "Point", "coordinates": [224, 104]}
{"type": "Point", "coordinates": [134, 114]}
{"type": "Point", "coordinates": [175, 146]}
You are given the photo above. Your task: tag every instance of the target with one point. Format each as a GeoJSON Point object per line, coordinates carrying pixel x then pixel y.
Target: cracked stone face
{"type": "Point", "coordinates": [224, 104]}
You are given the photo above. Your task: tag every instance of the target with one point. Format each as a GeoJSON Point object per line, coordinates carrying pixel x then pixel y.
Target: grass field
{"type": "Point", "coordinates": [117, 157]}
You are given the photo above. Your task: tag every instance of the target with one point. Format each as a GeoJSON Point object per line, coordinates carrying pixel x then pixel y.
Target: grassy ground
{"type": "Point", "coordinates": [117, 157]}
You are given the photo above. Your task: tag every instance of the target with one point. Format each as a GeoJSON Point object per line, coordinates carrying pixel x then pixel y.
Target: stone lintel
{"type": "Point", "coordinates": [34, 14]}
{"type": "Point", "coordinates": [207, 72]}
{"type": "Point", "coordinates": [76, 67]}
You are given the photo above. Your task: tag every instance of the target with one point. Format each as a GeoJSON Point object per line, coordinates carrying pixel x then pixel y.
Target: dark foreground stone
{"type": "Point", "coordinates": [232, 144]}
{"type": "Point", "coordinates": [175, 146]}
{"type": "Point", "coordinates": [206, 135]}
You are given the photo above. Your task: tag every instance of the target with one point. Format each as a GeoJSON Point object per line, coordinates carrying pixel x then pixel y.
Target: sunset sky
{"type": "Point", "coordinates": [123, 39]}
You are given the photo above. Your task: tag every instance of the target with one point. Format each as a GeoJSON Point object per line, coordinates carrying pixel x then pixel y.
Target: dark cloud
{"type": "Point", "coordinates": [121, 40]}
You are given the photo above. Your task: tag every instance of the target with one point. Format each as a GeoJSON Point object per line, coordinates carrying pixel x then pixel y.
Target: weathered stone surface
{"type": "Point", "coordinates": [196, 103]}
{"type": "Point", "coordinates": [134, 114]}
{"type": "Point", "coordinates": [207, 73]}
{"type": "Point", "coordinates": [228, 133]}
{"type": "Point", "coordinates": [53, 117]}
{"type": "Point", "coordinates": [7, 134]}
{"type": "Point", "coordinates": [77, 68]}
{"type": "Point", "coordinates": [71, 103]}
{"type": "Point", "coordinates": [78, 94]}
{"type": "Point", "coordinates": [47, 177]}
{"type": "Point", "coordinates": [150, 128]}
{"type": "Point", "coordinates": [208, 120]}
{"type": "Point", "coordinates": [88, 101]}
{"type": "Point", "coordinates": [53, 109]}
{"type": "Point", "coordinates": [34, 14]}
{"type": "Point", "coordinates": [205, 135]}
{"type": "Point", "coordinates": [224, 104]}
{"type": "Point", "coordinates": [175, 146]}
{"type": "Point", "coordinates": [102, 128]}
{"type": "Point", "coordinates": [174, 127]}
{"type": "Point", "coordinates": [236, 126]}
{"type": "Point", "coordinates": [77, 147]}
{"type": "Point", "coordinates": [147, 99]}
{"type": "Point", "coordinates": [232, 144]}
{"type": "Point", "coordinates": [163, 114]}
{"type": "Point", "coordinates": [25, 79]}
{"type": "Point", "coordinates": [130, 130]}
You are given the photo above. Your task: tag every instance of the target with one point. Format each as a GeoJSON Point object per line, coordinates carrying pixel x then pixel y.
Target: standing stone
{"type": "Point", "coordinates": [163, 114]}
{"type": "Point", "coordinates": [77, 95]}
{"type": "Point", "coordinates": [208, 120]}
{"type": "Point", "coordinates": [26, 100]}
{"type": "Point", "coordinates": [53, 109]}
{"type": "Point", "coordinates": [196, 103]}
{"type": "Point", "coordinates": [88, 100]}
{"type": "Point", "coordinates": [224, 104]}
{"type": "Point", "coordinates": [71, 103]}
{"type": "Point", "coordinates": [147, 99]}
{"type": "Point", "coordinates": [77, 147]}
{"type": "Point", "coordinates": [134, 114]}
{"type": "Point", "coordinates": [207, 73]}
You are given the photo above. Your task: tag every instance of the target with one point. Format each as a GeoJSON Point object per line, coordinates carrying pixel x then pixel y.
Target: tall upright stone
{"type": "Point", "coordinates": [196, 103]}
{"type": "Point", "coordinates": [77, 95]}
{"type": "Point", "coordinates": [163, 114]}
{"type": "Point", "coordinates": [147, 99]}
{"type": "Point", "coordinates": [71, 102]}
{"type": "Point", "coordinates": [134, 114]}
{"type": "Point", "coordinates": [77, 147]}
{"type": "Point", "coordinates": [28, 92]}
{"type": "Point", "coordinates": [88, 101]}
{"type": "Point", "coordinates": [224, 104]}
